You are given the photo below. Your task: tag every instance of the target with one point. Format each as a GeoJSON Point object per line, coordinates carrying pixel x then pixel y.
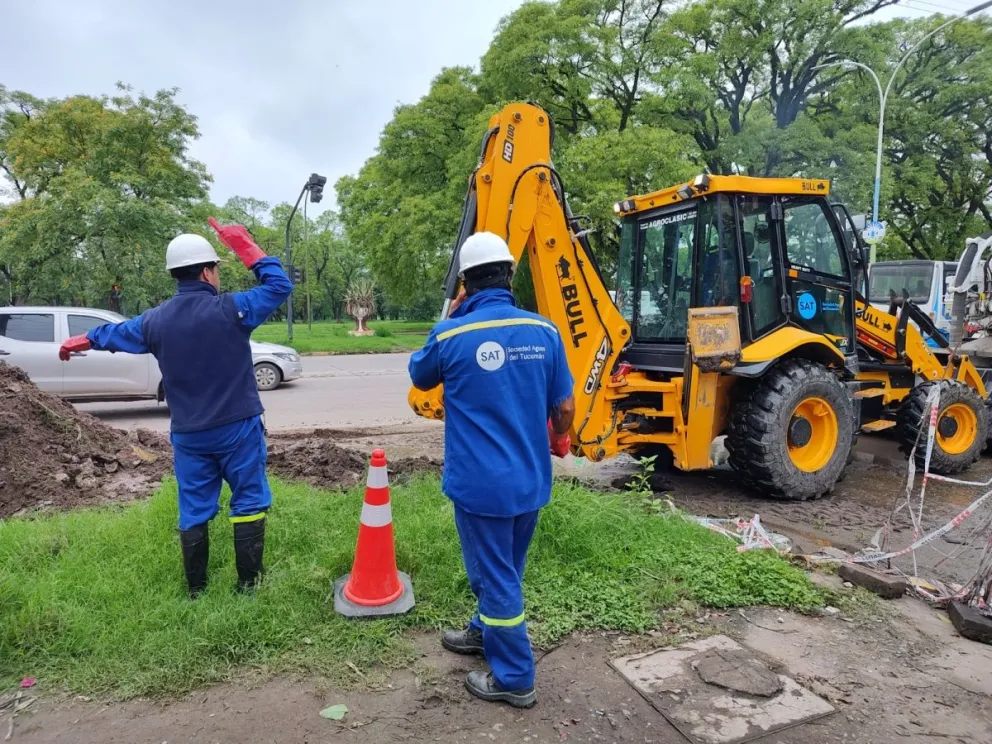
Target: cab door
{"type": "Point", "coordinates": [817, 269]}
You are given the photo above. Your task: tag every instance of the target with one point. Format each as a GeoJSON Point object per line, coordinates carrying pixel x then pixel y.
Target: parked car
{"type": "Point", "coordinates": [30, 338]}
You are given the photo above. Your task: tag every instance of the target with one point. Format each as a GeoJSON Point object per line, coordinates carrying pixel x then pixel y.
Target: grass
{"type": "Point", "coordinates": [330, 337]}
{"type": "Point", "coordinates": [93, 600]}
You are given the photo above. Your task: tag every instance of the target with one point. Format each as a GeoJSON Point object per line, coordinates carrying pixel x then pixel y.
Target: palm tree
{"type": "Point", "coordinates": [359, 303]}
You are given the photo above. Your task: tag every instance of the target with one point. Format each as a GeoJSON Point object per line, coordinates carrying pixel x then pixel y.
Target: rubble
{"type": "Point", "coordinates": [887, 586]}
{"type": "Point", "coordinates": [970, 622]}
{"type": "Point", "coordinates": [737, 670]}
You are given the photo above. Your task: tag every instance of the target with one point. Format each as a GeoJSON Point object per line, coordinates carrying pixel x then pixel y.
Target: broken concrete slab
{"type": "Point", "coordinates": [711, 713]}
{"type": "Point", "coordinates": [970, 623]}
{"type": "Point", "coordinates": [831, 552]}
{"type": "Point", "coordinates": [887, 586]}
{"type": "Point", "coordinates": [739, 671]}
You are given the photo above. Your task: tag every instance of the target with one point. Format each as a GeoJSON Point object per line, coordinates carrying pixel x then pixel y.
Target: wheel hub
{"type": "Point", "coordinates": [800, 431]}
{"type": "Point", "coordinates": [948, 426]}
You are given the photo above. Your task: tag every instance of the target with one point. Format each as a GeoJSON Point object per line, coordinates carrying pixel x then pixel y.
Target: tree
{"type": "Point", "coordinates": [101, 185]}
{"type": "Point", "coordinates": [939, 138]}
{"type": "Point", "coordinates": [585, 61]}
{"type": "Point", "coordinates": [360, 303]}
{"type": "Point", "coordinates": [401, 211]}
{"type": "Point", "coordinates": [735, 66]}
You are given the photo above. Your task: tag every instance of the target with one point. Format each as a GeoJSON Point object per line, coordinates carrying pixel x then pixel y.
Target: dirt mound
{"type": "Point", "coordinates": [317, 461]}
{"type": "Point", "coordinates": [405, 468]}
{"type": "Point", "coordinates": [325, 464]}
{"type": "Point", "coordinates": [52, 455]}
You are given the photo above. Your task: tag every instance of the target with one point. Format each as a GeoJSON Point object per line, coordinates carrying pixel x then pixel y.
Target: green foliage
{"type": "Point", "coordinates": [100, 187]}
{"type": "Point", "coordinates": [640, 483]}
{"type": "Point", "coordinates": [94, 600]}
{"type": "Point", "coordinates": [402, 209]}
{"type": "Point", "coordinates": [332, 338]}
{"type": "Point", "coordinates": [360, 297]}
{"type": "Point", "coordinates": [646, 93]}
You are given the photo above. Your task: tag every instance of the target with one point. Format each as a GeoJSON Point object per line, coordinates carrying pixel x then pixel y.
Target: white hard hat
{"type": "Point", "coordinates": [188, 250]}
{"type": "Point", "coordinates": [483, 248]}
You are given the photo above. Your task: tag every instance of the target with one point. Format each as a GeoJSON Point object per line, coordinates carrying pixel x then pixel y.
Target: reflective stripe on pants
{"type": "Point", "coordinates": [495, 553]}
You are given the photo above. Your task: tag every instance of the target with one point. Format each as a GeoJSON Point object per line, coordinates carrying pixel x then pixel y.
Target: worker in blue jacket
{"type": "Point", "coordinates": [200, 339]}
{"type": "Point", "coordinates": [507, 390]}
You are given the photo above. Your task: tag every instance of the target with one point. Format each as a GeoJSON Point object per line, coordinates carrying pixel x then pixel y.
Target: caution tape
{"type": "Point", "coordinates": [751, 533]}
{"type": "Point", "coordinates": [876, 556]}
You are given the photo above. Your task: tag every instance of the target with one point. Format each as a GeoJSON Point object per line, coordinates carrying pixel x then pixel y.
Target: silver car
{"type": "Point", "coordinates": [274, 364]}
{"type": "Point", "coordinates": [30, 338]}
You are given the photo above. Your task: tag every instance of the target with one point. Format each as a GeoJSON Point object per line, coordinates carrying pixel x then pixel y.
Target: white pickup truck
{"type": "Point", "coordinates": [30, 338]}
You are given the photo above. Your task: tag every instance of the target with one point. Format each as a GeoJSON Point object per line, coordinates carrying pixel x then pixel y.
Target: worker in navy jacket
{"type": "Point", "coordinates": [507, 390]}
{"type": "Point", "coordinates": [200, 339]}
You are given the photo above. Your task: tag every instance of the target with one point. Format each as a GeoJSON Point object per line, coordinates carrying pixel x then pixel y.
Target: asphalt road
{"type": "Point", "coordinates": [334, 392]}
{"type": "Point", "coordinates": [354, 391]}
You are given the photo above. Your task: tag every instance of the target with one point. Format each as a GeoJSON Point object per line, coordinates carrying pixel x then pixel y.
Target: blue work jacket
{"type": "Point", "coordinates": [201, 340]}
{"type": "Point", "coordinates": [504, 370]}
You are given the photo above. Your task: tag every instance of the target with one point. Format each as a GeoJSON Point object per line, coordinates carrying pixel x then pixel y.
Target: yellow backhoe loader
{"type": "Point", "coordinates": [734, 313]}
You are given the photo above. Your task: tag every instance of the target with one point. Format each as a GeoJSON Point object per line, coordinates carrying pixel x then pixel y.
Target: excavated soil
{"type": "Point", "coordinates": [321, 462]}
{"type": "Point", "coordinates": [53, 456]}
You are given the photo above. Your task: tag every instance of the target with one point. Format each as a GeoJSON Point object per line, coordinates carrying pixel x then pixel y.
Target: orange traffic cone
{"type": "Point", "coordinates": [374, 588]}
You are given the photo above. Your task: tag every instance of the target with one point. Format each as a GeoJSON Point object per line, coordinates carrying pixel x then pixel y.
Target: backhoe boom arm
{"type": "Point", "coordinates": [517, 194]}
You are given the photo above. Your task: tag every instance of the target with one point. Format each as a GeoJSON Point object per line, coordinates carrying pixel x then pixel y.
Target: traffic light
{"type": "Point", "coordinates": [297, 275]}
{"type": "Point", "coordinates": [316, 187]}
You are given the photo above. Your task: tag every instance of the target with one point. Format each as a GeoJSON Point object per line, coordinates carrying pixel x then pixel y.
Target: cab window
{"type": "Point", "coordinates": [665, 276]}
{"type": "Point", "coordinates": [624, 298]}
{"type": "Point", "coordinates": [718, 279]}
{"type": "Point", "coordinates": [810, 241]}
{"type": "Point", "coordinates": [759, 259]}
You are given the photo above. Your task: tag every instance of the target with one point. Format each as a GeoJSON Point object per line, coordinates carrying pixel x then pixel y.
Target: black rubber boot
{"type": "Point", "coordinates": [249, 543]}
{"type": "Point", "coordinates": [467, 642]}
{"type": "Point", "coordinates": [196, 550]}
{"type": "Point", "coordinates": [484, 687]}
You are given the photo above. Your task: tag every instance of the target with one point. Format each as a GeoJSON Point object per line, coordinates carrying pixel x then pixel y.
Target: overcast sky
{"type": "Point", "coordinates": [280, 89]}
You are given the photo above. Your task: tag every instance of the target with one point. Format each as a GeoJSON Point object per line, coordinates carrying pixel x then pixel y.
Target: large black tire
{"type": "Point", "coordinates": [761, 419]}
{"type": "Point", "coordinates": [951, 454]}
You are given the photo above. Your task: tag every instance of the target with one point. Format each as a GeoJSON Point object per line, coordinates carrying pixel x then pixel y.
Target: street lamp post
{"type": "Point", "coordinates": [883, 97]}
{"type": "Point", "coordinates": [315, 185]}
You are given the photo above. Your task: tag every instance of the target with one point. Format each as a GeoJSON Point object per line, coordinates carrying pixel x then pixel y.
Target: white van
{"type": "Point", "coordinates": [926, 283]}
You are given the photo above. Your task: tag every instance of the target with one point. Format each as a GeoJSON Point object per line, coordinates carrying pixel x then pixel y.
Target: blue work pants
{"type": "Point", "coordinates": [495, 551]}
{"type": "Point", "coordinates": [234, 453]}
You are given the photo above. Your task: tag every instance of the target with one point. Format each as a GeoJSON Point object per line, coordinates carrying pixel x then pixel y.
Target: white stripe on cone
{"type": "Point", "coordinates": [376, 516]}
{"type": "Point", "coordinates": [378, 478]}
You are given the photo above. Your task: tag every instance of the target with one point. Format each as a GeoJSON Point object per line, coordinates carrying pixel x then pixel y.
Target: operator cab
{"type": "Point", "coordinates": [771, 247]}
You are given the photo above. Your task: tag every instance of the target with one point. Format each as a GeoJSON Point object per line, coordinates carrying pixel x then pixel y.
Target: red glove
{"type": "Point", "coordinates": [74, 344]}
{"type": "Point", "coordinates": [560, 443]}
{"type": "Point", "coordinates": [238, 240]}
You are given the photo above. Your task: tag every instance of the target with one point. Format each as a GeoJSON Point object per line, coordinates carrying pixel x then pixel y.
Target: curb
{"type": "Point", "coordinates": [352, 353]}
